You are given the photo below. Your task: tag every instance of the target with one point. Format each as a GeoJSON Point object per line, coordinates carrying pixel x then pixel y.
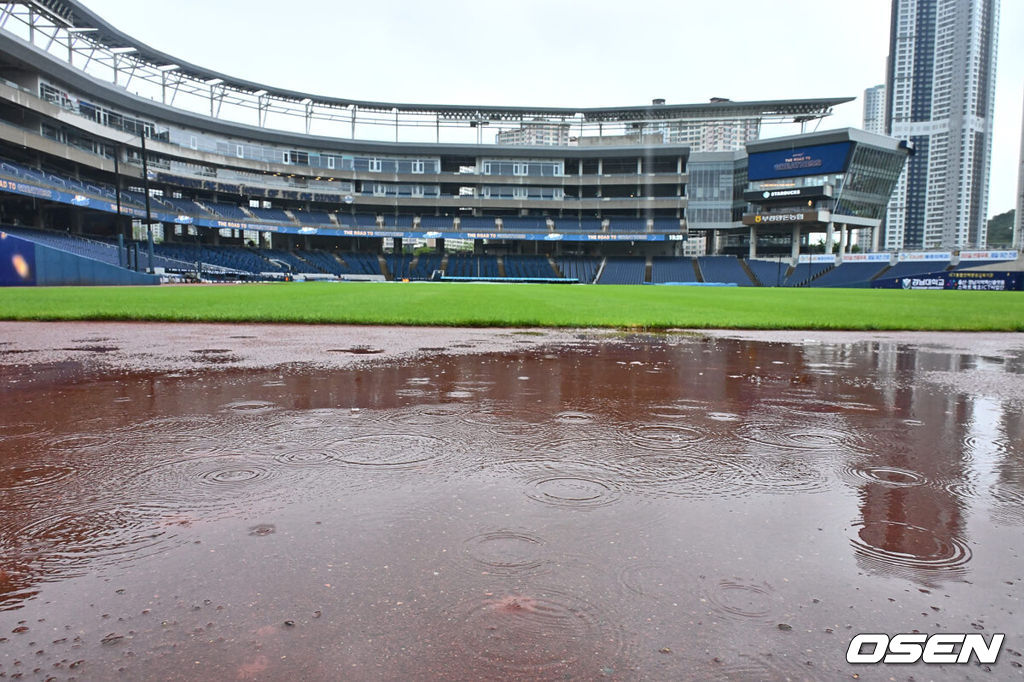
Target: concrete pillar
{"type": "Point", "coordinates": [875, 231]}
{"type": "Point", "coordinates": [753, 242]}
{"type": "Point", "coordinates": [795, 246]}
{"type": "Point", "coordinates": [830, 234]}
{"type": "Point", "coordinates": [844, 236]}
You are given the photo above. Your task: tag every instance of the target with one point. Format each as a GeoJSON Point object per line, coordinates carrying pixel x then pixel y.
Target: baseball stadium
{"type": "Point", "coordinates": [299, 385]}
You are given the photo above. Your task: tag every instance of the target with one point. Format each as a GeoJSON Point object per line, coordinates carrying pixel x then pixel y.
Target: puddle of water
{"type": "Point", "coordinates": [549, 514]}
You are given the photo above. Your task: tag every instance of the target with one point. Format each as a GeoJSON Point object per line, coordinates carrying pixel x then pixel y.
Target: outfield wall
{"type": "Point", "coordinates": [26, 263]}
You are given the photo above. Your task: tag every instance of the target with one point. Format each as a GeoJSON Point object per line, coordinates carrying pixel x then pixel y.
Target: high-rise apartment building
{"type": "Point", "coordinates": [874, 110]}
{"type": "Point", "coordinates": [725, 135]}
{"type": "Point", "coordinates": [940, 91]}
{"type": "Point", "coordinates": [536, 133]}
{"type": "Point", "coordinates": [1018, 221]}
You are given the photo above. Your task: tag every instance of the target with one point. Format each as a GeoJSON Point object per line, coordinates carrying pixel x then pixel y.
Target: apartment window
{"type": "Point", "coordinates": [330, 162]}
{"type": "Point", "coordinates": [193, 142]}
{"type": "Point", "coordinates": [240, 151]}
{"type": "Point", "coordinates": [417, 166]}
{"type": "Point", "coordinates": [375, 165]}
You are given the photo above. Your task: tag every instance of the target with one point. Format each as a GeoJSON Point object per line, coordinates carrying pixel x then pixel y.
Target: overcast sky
{"type": "Point", "coordinates": [564, 52]}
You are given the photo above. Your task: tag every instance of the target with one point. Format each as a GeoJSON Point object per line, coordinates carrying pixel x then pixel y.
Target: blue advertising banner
{"type": "Point", "coordinates": [964, 281]}
{"type": "Point", "coordinates": [813, 160]}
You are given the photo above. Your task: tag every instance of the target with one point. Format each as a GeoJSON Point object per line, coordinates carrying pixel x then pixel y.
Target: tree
{"type": "Point", "coordinates": [1000, 229]}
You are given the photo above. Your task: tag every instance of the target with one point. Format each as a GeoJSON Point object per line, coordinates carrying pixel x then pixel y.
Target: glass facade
{"type": "Point", "coordinates": [715, 193]}
{"type": "Point", "coordinates": [869, 182]}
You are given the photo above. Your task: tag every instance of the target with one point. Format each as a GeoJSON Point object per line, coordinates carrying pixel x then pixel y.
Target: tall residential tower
{"type": "Point", "coordinates": [874, 110]}
{"type": "Point", "coordinates": [1018, 219]}
{"type": "Point", "coordinates": [940, 91]}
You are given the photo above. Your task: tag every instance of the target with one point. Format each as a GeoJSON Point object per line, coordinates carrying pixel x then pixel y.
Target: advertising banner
{"type": "Point", "coordinates": [788, 194]}
{"type": "Point", "coordinates": [867, 257]}
{"type": "Point", "coordinates": [988, 255]}
{"type": "Point", "coordinates": [964, 281]}
{"type": "Point", "coordinates": [818, 159]}
{"type": "Point", "coordinates": [776, 218]}
{"type": "Point", "coordinates": [924, 255]}
{"type": "Point", "coordinates": [817, 258]}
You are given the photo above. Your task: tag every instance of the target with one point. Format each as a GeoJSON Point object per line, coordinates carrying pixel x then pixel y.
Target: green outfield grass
{"type": "Point", "coordinates": [537, 305]}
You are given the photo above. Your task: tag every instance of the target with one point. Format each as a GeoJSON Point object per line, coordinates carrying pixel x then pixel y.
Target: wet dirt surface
{"type": "Point", "coordinates": [236, 502]}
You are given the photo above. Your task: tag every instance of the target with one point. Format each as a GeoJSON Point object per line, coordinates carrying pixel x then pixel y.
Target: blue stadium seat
{"type": "Point", "coordinates": [228, 212]}
{"type": "Point", "coordinates": [623, 270]}
{"type": "Point", "coordinates": [398, 264]}
{"type": "Point", "coordinates": [672, 269]}
{"type": "Point", "coordinates": [724, 269]}
{"type": "Point", "coordinates": [524, 223]}
{"type": "Point", "coordinates": [850, 275]}
{"type": "Point", "coordinates": [528, 266]}
{"type": "Point", "coordinates": [425, 266]}
{"type": "Point", "coordinates": [770, 273]}
{"type": "Point", "coordinates": [460, 265]}
{"type": "Point", "coordinates": [627, 225]}
{"type": "Point", "coordinates": [581, 268]}
{"type": "Point", "coordinates": [485, 223]}
{"type": "Point", "coordinates": [910, 268]}
{"type": "Point", "coordinates": [271, 215]}
{"type": "Point", "coordinates": [313, 218]}
{"type": "Point", "coordinates": [404, 222]}
{"type": "Point", "coordinates": [803, 273]}
{"type": "Point", "coordinates": [574, 225]}
{"type": "Point", "coordinates": [442, 223]}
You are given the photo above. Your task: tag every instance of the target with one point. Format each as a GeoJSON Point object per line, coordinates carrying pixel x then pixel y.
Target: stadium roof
{"type": "Point", "coordinates": [74, 16]}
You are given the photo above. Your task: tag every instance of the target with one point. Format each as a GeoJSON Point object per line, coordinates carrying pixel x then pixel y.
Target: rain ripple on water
{"type": "Point", "coordinates": [901, 549]}
{"type": "Point", "coordinates": [538, 632]}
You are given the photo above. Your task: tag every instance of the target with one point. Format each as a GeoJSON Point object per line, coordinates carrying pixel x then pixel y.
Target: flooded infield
{"type": "Point", "coordinates": [570, 506]}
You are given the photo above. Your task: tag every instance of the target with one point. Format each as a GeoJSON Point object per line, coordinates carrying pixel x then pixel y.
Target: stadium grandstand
{"type": "Point", "coordinates": [114, 151]}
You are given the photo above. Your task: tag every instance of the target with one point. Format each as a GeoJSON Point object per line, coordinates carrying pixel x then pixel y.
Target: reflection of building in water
{"type": "Point", "coordinates": [912, 521]}
{"type": "Point", "coordinates": [996, 441]}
